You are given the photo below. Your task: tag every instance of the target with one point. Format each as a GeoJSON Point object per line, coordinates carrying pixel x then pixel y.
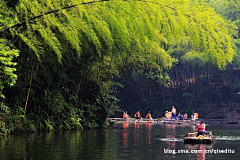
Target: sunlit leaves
{"type": "Point", "coordinates": [123, 24]}
{"type": "Point", "coordinates": [194, 58]}
{"type": "Point", "coordinates": [7, 69]}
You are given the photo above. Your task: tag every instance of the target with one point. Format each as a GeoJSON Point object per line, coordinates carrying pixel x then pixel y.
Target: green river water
{"type": "Point", "coordinates": [123, 141]}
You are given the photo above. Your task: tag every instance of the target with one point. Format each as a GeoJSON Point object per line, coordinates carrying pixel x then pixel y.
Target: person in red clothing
{"type": "Point", "coordinates": [201, 128]}
{"type": "Point", "coordinates": [138, 115]}
{"type": "Point", "coordinates": [149, 116]}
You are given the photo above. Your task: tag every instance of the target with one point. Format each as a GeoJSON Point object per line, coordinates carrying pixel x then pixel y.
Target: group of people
{"type": "Point", "coordinates": [137, 115]}
{"type": "Point", "coordinates": [173, 114]}
{"type": "Point", "coordinates": [169, 115]}
{"type": "Point", "coordinates": [199, 127]}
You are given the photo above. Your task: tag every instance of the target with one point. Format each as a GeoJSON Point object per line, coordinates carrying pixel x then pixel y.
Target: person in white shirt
{"type": "Point", "coordinates": [174, 112]}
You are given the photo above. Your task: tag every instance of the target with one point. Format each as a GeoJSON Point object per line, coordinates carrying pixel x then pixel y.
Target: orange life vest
{"type": "Point", "coordinates": [148, 116]}
{"type": "Point", "coordinates": [196, 115]}
{"type": "Point", "coordinates": [125, 115]}
{"type": "Point", "coordinates": [168, 114]}
{"type": "Point", "coordinates": [185, 115]}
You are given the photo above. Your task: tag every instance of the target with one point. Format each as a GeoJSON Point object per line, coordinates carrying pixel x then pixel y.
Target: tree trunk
{"type": "Point", "coordinates": [29, 89]}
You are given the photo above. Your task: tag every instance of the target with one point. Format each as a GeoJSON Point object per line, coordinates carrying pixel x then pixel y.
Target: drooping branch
{"type": "Point", "coordinates": [49, 12]}
{"type": "Point", "coordinates": [190, 18]}
{"type": "Point", "coordinates": [85, 3]}
{"type": "Point", "coordinates": [145, 1]}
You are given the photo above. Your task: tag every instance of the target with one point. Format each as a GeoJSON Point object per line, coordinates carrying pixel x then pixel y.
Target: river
{"type": "Point", "coordinates": [123, 141]}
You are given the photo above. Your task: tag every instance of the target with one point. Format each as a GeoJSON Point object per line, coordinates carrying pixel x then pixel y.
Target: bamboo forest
{"type": "Point", "coordinates": [71, 64]}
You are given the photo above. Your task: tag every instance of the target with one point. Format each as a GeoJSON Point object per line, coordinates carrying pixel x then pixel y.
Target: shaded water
{"type": "Point", "coordinates": [122, 141]}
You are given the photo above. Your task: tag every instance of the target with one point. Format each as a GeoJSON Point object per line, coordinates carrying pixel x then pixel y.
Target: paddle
{"type": "Point", "coordinates": [130, 118]}
{"type": "Point", "coordinates": [187, 133]}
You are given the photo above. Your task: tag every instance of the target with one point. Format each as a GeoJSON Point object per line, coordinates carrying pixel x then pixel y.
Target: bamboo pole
{"type": "Point", "coordinates": [29, 89]}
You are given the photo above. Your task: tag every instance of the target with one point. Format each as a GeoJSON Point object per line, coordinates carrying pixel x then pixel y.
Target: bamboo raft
{"type": "Point", "coordinates": [173, 121]}
{"type": "Point", "coordinates": [132, 120]}
{"type": "Point", "coordinates": [192, 138]}
{"type": "Point", "coordinates": [158, 120]}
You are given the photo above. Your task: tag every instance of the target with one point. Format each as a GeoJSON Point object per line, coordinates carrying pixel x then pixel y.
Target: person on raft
{"type": "Point", "coordinates": [201, 128]}
{"type": "Point", "coordinates": [185, 115]}
{"type": "Point", "coordinates": [168, 115]}
{"type": "Point", "coordinates": [137, 115]}
{"type": "Point", "coordinates": [125, 115]}
{"type": "Point", "coordinates": [149, 116]}
{"type": "Point", "coordinates": [180, 116]}
{"type": "Point", "coordinates": [174, 111]}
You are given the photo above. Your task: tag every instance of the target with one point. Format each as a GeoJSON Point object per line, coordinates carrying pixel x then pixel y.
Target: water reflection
{"type": "Point", "coordinates": [201, 155]}
{"type": "Point", "coordinates": [125, 135]}
{"type": "Point", "coordinates": [199, 150]}
{"type": "Point", "coordinates": [148, 134]}
{"type": "Point", "coordinates": [136, 134]}
{"type": "Point", "coordinates": [170, 132]}
{"type": "Point", "coordinates": [125, 141]}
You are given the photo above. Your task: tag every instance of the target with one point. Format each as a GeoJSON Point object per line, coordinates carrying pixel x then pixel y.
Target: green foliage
{"type": "Point", "coordinates": [7, 75]}
{"type": "Point", "coordinates": [228, 8]}
{"type": "Point", "coordinates": [4, 114]}
{"type": "Point", "coordinates": [84, 49]}
{"type": "Point", "coordinates": [128, 24]}
{"type": "Point", "coordinates": [194, 58]}
{"type": "Point", "coordinates": [49, 125]}
{"type": "Point", "coordinates": [7, 14]}
{"type": "Point", "coordinates": [236, 60]}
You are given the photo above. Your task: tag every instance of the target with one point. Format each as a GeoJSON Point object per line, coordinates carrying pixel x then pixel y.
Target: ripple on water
{"type": "Point", "coordinates": [227, 138]}
{"type": "Point", "coordinates": [170, 139]}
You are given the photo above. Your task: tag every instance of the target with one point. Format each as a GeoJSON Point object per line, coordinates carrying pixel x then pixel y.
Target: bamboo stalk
{"type": "Point", "coordinates": [29, 89]}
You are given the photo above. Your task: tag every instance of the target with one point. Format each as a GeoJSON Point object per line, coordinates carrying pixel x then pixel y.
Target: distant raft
{"type": "Point", "coordinates": [132, 120]}
{"type": "Point", "coordinates": [192, 138]}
